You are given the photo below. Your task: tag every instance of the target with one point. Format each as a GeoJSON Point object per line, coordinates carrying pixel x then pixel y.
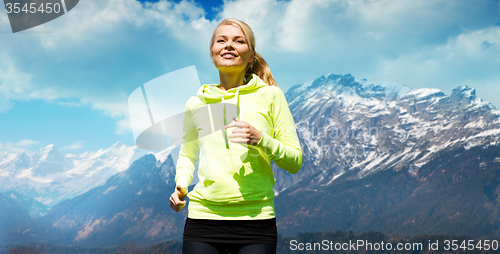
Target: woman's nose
{"type": "Point", "coordinates": [229, 44]}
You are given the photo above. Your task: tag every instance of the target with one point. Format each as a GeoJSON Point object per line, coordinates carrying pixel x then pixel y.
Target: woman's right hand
{"type": "Point", "coordinates": [177, 201]}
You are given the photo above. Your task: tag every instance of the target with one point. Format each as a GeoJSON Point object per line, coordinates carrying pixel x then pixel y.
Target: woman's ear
{"type": "Point", "coordinates": [252, 58]}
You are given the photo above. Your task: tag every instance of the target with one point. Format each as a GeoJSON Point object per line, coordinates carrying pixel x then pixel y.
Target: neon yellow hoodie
{"type": "Point", "coordinates": [235, 179]}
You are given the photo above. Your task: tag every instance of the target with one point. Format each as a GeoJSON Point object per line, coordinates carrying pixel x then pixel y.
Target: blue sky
{"type": "Point", "coordinates": [67, 82]}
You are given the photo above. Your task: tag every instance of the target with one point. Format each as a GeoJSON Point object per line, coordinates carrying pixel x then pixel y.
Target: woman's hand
{"type": "Point", "coordinates": [246, 132]}
{"type": "Point", "coordinates": [177, 201]}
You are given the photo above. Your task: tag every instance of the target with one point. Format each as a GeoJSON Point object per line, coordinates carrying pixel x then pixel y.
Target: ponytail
{"type": "Point", "coordinates": [260, 68]}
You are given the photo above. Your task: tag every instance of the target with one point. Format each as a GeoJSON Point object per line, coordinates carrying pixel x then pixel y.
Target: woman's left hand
{"type": "Point", "coordinates": [246, 132]}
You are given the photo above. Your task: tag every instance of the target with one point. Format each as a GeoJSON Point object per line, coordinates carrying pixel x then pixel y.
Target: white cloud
{"type": "Point", "coordinates": [263, 16]}
{"type": "Point", "coordinates": [471, 58]}
{"type": "Point", "coordinates": [123, 126]}
{"type": "Point", "coordinates": [100, 22]}
{"type": "Point", "coordinates": [26, 142]}
{"type": "Point", "coordinates": [74, 146]}
{"type": "Point", "coordinates": [17, 146]}
{"type": "Point", "coordinates": [479, 44]}
{"type": "Point", "coordinates": [14, 84]}
{"type": "Point", "coordinates": [5, 104]}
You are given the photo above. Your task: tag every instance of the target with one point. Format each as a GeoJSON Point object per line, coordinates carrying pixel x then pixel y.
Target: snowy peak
{"type": "Point", "coordinates": [463, 96]}
{"type": "Point", "coordinates": [348, 86]}
{"type": "Point", "coordinates": [344, 81]}
{"type": "Point", "coordinates": [425, 93]}
{"type": "Point", "coordinates": [39, 164]}
{"type": "Point", "coordinates": [22, 160]}
{"type": "Point", "coordinates": [46, 152]}
{"type": "Point", "coordinates": [464, 91]}
{"type": "Point", "coordinates": [351, 91]}
{"type": "Point", "coordinates": [48, 161]}
{"type": "Point", "coordinates": [381, 90]}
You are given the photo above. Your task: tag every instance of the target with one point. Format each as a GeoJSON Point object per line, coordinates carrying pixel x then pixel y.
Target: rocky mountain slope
{"type": "Point", "coordinates": [12, 214]}
{"type": "Point", "coordinates": [130, 206]}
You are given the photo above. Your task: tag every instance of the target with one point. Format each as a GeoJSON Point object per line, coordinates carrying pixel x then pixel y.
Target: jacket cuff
{"type": "Point", "coordinates": [182, 181]}
{"type": "Point", "coordinates": [261, 136]}
{"type": "Point", "coordinates": [266, 145]}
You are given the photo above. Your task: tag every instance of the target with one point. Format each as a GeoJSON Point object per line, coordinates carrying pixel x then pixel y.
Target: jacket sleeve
{"type": "Point", "coordinates": [284, 149]}
{"type": "Point", "coordinates": [188, 154]}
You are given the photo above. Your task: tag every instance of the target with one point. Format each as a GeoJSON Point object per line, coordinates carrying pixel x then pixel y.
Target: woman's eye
{"type": "Point", "coordinates": [241, 42]}
{"type": "Point", "coordinates": [220, 40]}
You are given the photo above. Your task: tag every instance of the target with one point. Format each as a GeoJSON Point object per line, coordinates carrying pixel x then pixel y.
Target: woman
{"type": "Point", "coordinates": [231, 208]}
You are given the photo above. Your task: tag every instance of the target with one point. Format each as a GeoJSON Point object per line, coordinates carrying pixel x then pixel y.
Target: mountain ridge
{"type": "Point", "coordinates": [340, 126]}
{"type": "Point", "coordinates": [62, 177]}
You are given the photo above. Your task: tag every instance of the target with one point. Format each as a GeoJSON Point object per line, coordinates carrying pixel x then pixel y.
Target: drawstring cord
{"type": "Point", "coordinates": [225, 123]}
{"type": "Point", "coordinates": [237, 95]}
{"type": "Point", "coordinates": [237, 103]}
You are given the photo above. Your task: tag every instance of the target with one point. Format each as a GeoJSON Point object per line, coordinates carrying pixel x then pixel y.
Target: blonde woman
{"type": "Point", "coordinates": [231, 208]}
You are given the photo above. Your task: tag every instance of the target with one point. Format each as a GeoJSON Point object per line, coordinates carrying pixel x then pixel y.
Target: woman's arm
{"type": "Point", "coordinates": [186, 163]}
{"type": "Point", "coordinates": [284, 149]}
{"type": "Point", "coordinates": [188, 154]}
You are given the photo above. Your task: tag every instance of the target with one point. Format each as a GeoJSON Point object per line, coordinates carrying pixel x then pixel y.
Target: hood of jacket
{"type": "Point", "coordinates": [211, 93]}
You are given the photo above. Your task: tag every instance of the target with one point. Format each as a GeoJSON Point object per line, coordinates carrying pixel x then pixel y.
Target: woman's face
{"type": "Point", "coordinates": [230, 51]}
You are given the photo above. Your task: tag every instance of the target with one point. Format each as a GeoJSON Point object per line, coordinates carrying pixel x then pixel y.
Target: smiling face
{"type": "Point", "coordinates": [230, 51]}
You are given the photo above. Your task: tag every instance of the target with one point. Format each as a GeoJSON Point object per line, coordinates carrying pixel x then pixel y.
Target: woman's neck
{"type": "Point", "coordinates": [231, 80]}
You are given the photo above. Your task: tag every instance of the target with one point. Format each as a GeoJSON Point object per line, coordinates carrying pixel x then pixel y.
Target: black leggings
{"type": "Point", "coordinates": [226, 248]}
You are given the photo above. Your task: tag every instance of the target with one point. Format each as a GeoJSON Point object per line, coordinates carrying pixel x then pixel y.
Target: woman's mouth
{"type": "Point", "coordinates": [228, 55]}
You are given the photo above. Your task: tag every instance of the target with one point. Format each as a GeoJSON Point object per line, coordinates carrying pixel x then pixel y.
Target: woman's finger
{"type": "Point", "coordinates": [241, 133]}
{"type": "Point", "coordinates": [235, 124]}
{"type": "Point", "coordinates": [176, 199]}
{"type": "Point", "coordinates": [242, 140]}
{"type": "Point", "coordinates": [172, 204]}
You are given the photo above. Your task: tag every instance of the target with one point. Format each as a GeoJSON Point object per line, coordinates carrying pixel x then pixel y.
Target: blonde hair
{"type": "Point", "coordinates": [258, 66]}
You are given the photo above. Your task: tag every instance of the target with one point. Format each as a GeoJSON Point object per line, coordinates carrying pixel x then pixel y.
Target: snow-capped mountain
{"type": "Point", "coordinates": [40, 165]}
{"type": "Point", "coordinates": [130, 205]}
{"type": "Point", "coordinates": [50, 177]}
{"type": "Point", "coordinates": [346, 123]}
